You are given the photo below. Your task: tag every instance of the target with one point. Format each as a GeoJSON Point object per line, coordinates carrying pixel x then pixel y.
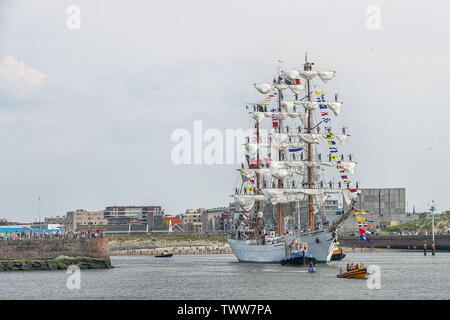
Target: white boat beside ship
{"type": "Point", "coordinates": [297, 175]}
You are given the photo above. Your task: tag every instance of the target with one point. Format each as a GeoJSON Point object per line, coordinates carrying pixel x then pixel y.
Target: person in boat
{"type": "Point", "coordinates": [348, 267]}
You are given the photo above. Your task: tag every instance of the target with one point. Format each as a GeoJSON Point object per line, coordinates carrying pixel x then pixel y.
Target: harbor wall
{"type": "Point", "coordinates": [43, 249]}
{"type": "Point", "coordinates": [398, 242]}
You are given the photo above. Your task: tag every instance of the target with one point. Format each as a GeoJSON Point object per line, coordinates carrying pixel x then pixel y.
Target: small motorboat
{"type": "Point", "coordinates": [338, 254]}
{"type": "Point", "coordinates": [357, 272]}
{"type": "Point", "coordinates": [165, 254]}
{"type": "Point", "coordinates": [299, 255]}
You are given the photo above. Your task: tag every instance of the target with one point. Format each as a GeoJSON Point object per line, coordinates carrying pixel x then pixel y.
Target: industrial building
{"type": "Point", "coordinates": [387, 204]}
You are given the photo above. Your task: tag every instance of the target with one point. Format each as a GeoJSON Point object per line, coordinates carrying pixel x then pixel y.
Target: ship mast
{"type": "Point", "coordinates": [310, 200]}
{"type": "Point", "coordinates": [258, 189]}
{"type": "Point", "coordinates": [280, 205]}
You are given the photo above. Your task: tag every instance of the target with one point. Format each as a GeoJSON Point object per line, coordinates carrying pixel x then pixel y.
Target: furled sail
{"type": "Point", "coordinates": [258, 116]}
{"type": "Point", "coordinates": [288, 106]}
{"type": "Point", "coordinates": [334, 106]}
{"type": "Point", "coordinates": [263, 88]}
{"type": "Point", "coordinates": [280, 86]}
{"type": "Point", "coordinates": [246, 174]}
{"type": "Point", "coordinates": [297, 88]}
{"type": "Point", "coordinates": [326, 75]}
{"type": "Point", "coordinates": [291, 74]}
{"type": "Point", "coordinates": [308, 74]}
{"type": "Point", "coordinates": [248, 201]}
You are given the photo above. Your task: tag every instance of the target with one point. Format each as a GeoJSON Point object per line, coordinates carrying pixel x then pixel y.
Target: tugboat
{"type": "Point", "coordinates": [358, 271]}
{"type": "Point", "coordinates": [299, 255]}
{"type": "Point", "coordinates": [165, 254]}
{"type": "Point", "coordinates": [338, 254]}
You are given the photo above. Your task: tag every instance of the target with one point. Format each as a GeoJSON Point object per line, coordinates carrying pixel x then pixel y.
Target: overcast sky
{"type": "Point", "coordinates": [86, 115]}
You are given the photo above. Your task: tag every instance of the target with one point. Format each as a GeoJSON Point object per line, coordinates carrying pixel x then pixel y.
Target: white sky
{"type": "Point", "coordinates": [86, 115]}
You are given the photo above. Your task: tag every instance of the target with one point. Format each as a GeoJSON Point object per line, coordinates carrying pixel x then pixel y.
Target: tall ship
{"type": "Point", "coordinates": [284, 180]}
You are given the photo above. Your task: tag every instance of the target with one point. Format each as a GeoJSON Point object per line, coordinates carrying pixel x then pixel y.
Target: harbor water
{"type": "Point", "coordinates": [404, 275]}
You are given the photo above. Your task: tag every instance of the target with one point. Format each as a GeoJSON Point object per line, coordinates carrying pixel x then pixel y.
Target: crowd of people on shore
{"type": "Point", "coordinates": [405, 233]}
{"type": "Point", "coordinates": [59, 234]}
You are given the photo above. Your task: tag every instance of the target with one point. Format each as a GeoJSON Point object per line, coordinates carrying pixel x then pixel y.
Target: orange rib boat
{"type": "Point", "coordinates": [355, 274]}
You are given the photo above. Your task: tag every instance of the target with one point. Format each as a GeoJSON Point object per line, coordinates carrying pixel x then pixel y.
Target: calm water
{"type": "Point", "coordinates": [404, 275]}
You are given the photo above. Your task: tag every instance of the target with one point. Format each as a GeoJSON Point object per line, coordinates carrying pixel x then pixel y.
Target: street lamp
{"type": "Point", "coordinates": [39, 213]}
{"type": "Point", "coordinates": [433, 246]}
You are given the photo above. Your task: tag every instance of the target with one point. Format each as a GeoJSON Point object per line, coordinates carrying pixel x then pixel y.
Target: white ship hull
{"type": "Point", "coordinates": [267, 253]}
{"type": "Point", "coordinates": [321, 244]}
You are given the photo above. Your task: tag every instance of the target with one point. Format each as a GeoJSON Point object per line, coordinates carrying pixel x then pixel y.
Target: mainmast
{"type": "Point", "coordinates": [280, 205]}
{"type": "Point", "coordinates": [258, 189]}
{"type": "Point", "coordinates": [310, 199]}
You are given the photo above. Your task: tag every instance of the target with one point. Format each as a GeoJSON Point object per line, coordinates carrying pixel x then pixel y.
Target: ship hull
{"type": "Point", "coordinates": [320, 244]}
{"type": "Point", "coordinates": [269, 253]}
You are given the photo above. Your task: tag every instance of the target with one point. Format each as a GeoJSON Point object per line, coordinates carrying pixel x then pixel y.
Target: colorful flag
{"type": "Point", "coordinates": [297, 81]}
{"type": "Point", "coordinates": [365, 225]}
{"type": "Point", "coordinates": [331, 142]}
{"type": "Point", "coordinates": [361, 237]}
{"type": "Point", "coordinates": [295, 150]}
{"type": "Point", "coordinates": [362, 212]}
{"type": "Point", "coordinates": [345, 177]}
{"type": "Point", "coordinates": [358, 218]}
{"type": "Point", "coordinates": [334, 157]}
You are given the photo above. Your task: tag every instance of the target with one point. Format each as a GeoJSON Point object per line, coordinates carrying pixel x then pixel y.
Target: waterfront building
{"type": "Point", "coordinates": [212, 219]}
{"type": "Point", "coordinates": [84, 218]}
{"type": "Point", "coordinates": [134, 214]}
{"type": "Point", "coordinates": [192, 220]}
{"type": "Point", "coordinates": [61, 220]}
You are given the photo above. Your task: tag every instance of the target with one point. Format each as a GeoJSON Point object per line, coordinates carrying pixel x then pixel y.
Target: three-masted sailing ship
{"type": "Point", "coordinates": [274, 189]}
